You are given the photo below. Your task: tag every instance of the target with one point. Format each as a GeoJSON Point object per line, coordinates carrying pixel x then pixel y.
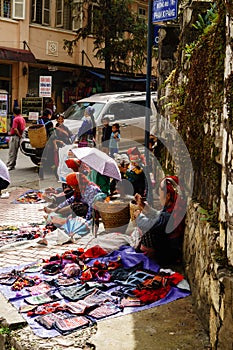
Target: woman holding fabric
{"type": "Point", "coordinates": [162, 231]}
{"type": "Point", "coordinates": [82, 201]}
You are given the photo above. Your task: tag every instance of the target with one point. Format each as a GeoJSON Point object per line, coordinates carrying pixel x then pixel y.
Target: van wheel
{"type": "Point", "coordinates": [35, 160]}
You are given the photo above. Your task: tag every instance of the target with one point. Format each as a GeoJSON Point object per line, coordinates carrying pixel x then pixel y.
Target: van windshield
{"type": "Point", "coordinates": [78, 112]}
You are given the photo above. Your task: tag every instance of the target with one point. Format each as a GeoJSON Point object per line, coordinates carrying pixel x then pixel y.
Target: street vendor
{"type": "Point", "coordinates": [134, 173]}
{"type": "Point", "coordinates": [81, 202]}
{"type": "Point", "coordinates": [162, 231]}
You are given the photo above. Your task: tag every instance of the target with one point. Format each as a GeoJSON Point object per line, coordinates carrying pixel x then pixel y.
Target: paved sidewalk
{"type": "Point", "coordinates": [173, 326]}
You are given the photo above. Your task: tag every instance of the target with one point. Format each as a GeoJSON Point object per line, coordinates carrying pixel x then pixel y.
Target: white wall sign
{"type": "Point", "coordinates": [33, 115]}
{"type": "Point", "coordinates": [45, 86]}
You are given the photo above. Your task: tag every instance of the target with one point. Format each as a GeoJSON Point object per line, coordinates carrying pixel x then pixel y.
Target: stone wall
{"type": "Point", "coordinates": [211, 282]}
{"type": "Point", "coordinates": [208, 251]}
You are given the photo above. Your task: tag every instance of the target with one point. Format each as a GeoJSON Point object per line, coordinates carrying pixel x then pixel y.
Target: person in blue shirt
{"type": "Point", "coordinates": [87, 131]}
{"type": "Point", "coordinates": [114, 139]}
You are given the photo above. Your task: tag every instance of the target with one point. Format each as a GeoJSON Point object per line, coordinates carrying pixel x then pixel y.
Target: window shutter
{"type": "Point", "coordinates": [46, 12]}
{"type": "Point", "coordinates": [33, 11]}
{"type": "Point", "coordinates": [18, 9]}
{"type": "Point", "coordinates": [59, 13]}
{"type": "Point", "coordinates": [77, 15]}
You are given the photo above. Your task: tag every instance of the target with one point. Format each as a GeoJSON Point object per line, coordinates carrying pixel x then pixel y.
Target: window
{"type": "Point", "coordinates": [59, 13]}
{"type": "Point", "coordinates": [63, 14]}
{"type": "Point", "coordinates": [41, 12]}
{"type": "Point", "coordinates": [5, 8]}
{"type": "Point", "coordinates": [92, 18]}
{"type": "Point", "coordinates": [119, 110]}
{"type": "Point", "coordinates": [18, 9]}
{"type": "Point", "coordinates": [77, 15]}
{"type": "Point", "coordinates": [141, 12]}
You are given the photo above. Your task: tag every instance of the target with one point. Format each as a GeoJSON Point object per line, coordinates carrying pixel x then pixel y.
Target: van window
{"type": "Point", "coordinates": [80, 108]}
{"type": "Point", "coordinates": [136, 110]}
{"type": "Point", "coordinates": [119, 110]}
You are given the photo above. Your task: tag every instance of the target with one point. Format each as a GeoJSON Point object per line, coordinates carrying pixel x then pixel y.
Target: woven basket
{"type": "Point", "coordinates": [114, 214]}
{"type": "Point", "coordinates": [37, 135]}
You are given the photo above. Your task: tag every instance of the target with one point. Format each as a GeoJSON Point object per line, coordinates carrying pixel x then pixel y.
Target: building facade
{"type": "Point", "coordinates": [32, 54]}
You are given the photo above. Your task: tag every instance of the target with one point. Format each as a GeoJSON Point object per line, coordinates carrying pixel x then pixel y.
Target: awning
{"type": "Point", "coordinates": [16, 55]}
{"type": "Point", "coordinates": [118, 77]}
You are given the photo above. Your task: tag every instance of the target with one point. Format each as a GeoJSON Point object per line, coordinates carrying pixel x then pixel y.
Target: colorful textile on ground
{"type": "Point", "coordinates": [30, 197]}
{"type": "Point", "coordinates": [12, 234]}
{"type": "Point", "coordinates": [108, 285]}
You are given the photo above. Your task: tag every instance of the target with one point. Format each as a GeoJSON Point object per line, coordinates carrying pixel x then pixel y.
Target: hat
{"type": "Point", "coordinates": [90, 110]}
{"type": "Point", "coordinates": [133, 151]}
{"type": "Point", "coordinates": [71, 179]}
{"type": "Point", "coordinates": [73, 164]}
{"type": "Point", "coordinates": [134, 158]}
{"type": "Point", "coordinates": [105, 117]}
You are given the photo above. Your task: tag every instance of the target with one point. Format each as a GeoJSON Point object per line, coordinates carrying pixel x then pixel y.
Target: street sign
{"type": "Point", "coordinates": [156, 35]}
{"type": "Point", "coordinates": [45, 86]}
{"type": "Point", "coordinates": [164, 10]}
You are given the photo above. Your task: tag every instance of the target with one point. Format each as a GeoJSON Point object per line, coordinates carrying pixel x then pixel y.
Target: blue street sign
{"type": "Point", "coordinates": [164, 10]}
{"type": "Point", "coordinates": [156, 35]}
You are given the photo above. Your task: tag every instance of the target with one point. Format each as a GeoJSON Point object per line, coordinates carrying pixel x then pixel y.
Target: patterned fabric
{"type": "Point", "coordinates": [86, 127]}
{"type": "Point", "coordinates": [88, 197]}
{"type": "Point", "coordinates": [67, 325]}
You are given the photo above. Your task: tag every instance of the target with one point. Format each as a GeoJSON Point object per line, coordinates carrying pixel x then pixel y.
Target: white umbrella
{"type": "Point", "coordinates": [98, 161]}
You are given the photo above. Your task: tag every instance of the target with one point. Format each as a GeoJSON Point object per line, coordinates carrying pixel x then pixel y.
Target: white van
{"type": "Point", "coordinates": [126, 108]}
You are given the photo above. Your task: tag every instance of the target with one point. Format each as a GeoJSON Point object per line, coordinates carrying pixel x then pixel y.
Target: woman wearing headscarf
{"type": "Point", "coordinates": [87, 131]}
{"type": "Point", "coordinates": [83, 197]}
{"type": "Point", "coordinates": [162, 231]}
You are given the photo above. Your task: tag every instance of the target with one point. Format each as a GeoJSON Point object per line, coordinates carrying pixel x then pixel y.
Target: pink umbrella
{"type": "Point", "coordinates": [98, 161]}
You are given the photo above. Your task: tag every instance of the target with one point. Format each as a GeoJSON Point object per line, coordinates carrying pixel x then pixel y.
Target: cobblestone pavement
{"type": "Point", "coordinates": [172, 326]}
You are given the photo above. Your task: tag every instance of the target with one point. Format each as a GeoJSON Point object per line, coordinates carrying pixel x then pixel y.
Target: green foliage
{"type": "Point", "coordinates": [195, 102]}
{"type": "Point", "coordinates": [189, 50]}
{"type": "Point", "coordinates": [5, 330]}
{"type": "Point", "coordinates": [205, 21]}
{"type": "Point", "coordinates": [209, 215]}
{"type": "Point", "coordinates": [119, 35]}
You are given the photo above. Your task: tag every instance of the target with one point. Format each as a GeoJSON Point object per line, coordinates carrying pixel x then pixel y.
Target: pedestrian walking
{"type": "Point", "coordinates": [16, 132]}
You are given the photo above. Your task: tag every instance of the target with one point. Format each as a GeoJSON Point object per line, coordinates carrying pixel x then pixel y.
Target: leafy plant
{"type": "Point", "coordinates": [5, 330]}
{"type": "Point", "coordinates": [119, 35]}
{"type": "Point", "coordinates": [209, 215]}
{"type": "Point", "coordinates": [204, 21]}
{"type": "Point", "coordinates": [189, 50]}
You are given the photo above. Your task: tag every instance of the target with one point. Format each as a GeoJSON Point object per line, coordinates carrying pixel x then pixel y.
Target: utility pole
{"type": "Point", "coordinates": [148, 102]}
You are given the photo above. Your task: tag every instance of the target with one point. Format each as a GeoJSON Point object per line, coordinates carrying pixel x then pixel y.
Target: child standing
{"type": "Point", "coordinates": [106, 134]}
{"type": "Point", "coordinates": [114, 139]}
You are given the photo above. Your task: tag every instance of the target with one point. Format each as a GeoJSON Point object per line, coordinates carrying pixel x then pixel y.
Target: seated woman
{"type": "Point", "coordinates": [135, 175]}
{"type": "Point", "coordinates": [162, 231]}
{"type": "Point", "coordinates": [81, 203]}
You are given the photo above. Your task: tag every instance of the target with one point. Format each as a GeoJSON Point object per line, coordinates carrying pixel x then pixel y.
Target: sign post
{"type": "Point", "coordinates": [164, 10]}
